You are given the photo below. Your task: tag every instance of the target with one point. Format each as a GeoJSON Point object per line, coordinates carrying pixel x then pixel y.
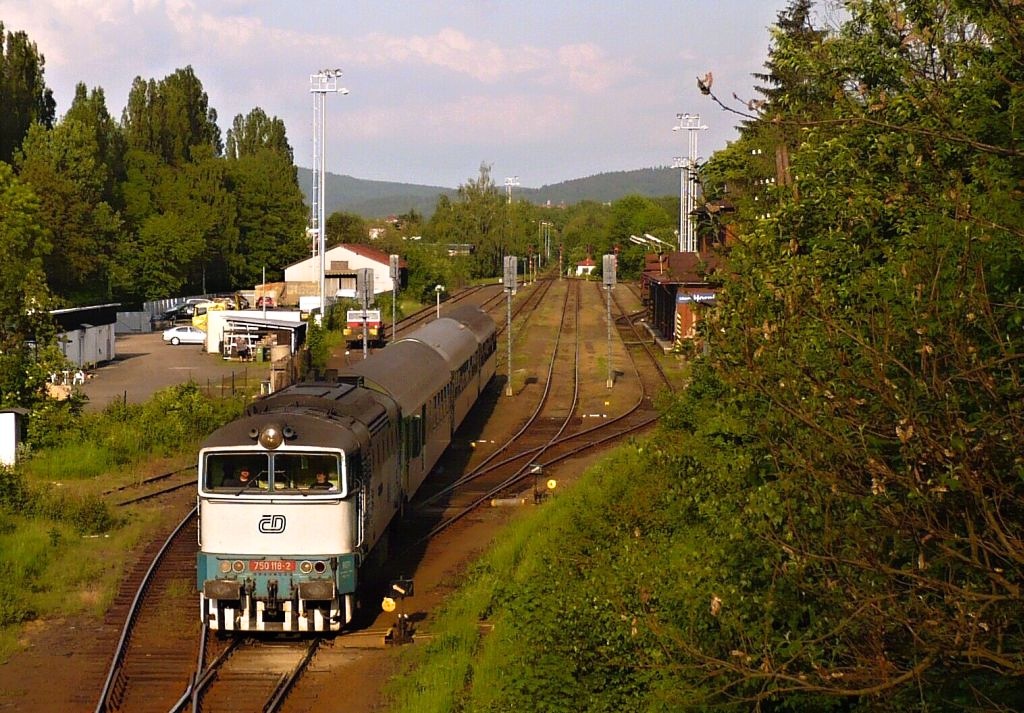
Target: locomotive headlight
{"type": "Point", "coordinates": [238, 565]}
{"type": "Point", "coordinates": [225, 566]}
{"type": "Point", "coordinates": [271, 437]}
{"type": "Point", "coordinates": [320, 567]}
{"type": "Point", "coordinates": [305, 566]}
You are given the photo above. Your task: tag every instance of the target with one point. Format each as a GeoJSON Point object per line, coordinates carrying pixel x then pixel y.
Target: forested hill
{"type": "Point", "coordinates": [374, 199]}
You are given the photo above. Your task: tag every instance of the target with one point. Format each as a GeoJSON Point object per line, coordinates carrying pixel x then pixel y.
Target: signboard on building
{"type": "Point", "coordinates": [698, 297]}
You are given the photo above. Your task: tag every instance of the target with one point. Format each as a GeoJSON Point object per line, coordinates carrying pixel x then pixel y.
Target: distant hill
{"type": "Point", "coordinates": [377, 199]}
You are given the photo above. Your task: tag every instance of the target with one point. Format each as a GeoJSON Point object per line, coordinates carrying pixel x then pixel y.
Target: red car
{"type": "Point", "coordinates": [265, 301]}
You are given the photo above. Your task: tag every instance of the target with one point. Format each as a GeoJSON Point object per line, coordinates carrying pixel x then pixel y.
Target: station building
{"type": "Point", "coordinates": [678, 287]}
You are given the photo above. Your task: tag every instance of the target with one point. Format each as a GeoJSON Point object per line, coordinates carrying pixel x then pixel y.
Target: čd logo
{"type": "Point", "coordinates": [272, 524]}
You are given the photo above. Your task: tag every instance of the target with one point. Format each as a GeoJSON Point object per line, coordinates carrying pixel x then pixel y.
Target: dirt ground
{"type": "Point", "coordinates": [61, 666]}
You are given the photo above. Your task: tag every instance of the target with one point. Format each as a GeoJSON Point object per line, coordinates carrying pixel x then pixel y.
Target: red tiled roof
{"type": "Point", "coordinates": [368, 252]}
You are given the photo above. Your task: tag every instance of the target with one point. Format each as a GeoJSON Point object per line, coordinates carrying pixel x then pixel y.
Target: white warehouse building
{"type": "Point", "coordinates": [342, 262]}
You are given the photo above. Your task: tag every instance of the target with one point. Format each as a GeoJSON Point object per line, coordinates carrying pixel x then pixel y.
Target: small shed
{"type": "Point", "coordinates": [12, 426]}
{"type": "Point", "coordinates": [87, 334]}
{"type": "Point", "coordinates": [585, 267]}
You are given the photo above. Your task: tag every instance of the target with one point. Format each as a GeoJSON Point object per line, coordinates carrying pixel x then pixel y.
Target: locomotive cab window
{"type": "Point", "coordinates": [318, 473]}
{"type": "Point", "coordinates": [236, 471]}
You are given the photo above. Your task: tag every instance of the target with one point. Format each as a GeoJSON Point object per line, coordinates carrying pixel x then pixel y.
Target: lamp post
{"type": "Point", "coordinates": [691, 124]}
{"type": "Point", "coordinates": [438, 289]}
{"type": "Point", "coordinates": [320, 84]}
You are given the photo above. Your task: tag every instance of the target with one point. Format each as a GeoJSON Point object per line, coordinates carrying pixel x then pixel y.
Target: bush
{"type": "Point", "coordinates": [13, 493]}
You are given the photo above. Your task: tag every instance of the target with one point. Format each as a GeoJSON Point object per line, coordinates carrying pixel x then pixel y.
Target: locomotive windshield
{"type": "Point", "coordinates": [285, 473]}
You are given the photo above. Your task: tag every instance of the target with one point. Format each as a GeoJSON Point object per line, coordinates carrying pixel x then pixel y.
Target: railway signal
{"type": "Point", "coordinates": [395, 275]}
{"type": "Point", "coordinates": [400, 589]}
{"type": "Point", "coordinates": [364, 288]}
{"type": "Point", "coordinates": [511, 268]}
{"type": "Point", "coordinates": [608, 267]}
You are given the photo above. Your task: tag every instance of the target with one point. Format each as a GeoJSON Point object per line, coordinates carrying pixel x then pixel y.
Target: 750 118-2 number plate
{"type": "Point", "coordinates": [271, 565]}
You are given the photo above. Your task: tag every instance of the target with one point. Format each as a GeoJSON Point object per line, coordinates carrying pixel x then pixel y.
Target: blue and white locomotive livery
{"type": "Point", "coordinates": [327, 467]}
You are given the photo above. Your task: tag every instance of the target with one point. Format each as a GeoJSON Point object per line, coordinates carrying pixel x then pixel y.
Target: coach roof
{"type": "Point", "coordinates": [408, 370]}
{"type": "Point", "coordinates": [451, 339]}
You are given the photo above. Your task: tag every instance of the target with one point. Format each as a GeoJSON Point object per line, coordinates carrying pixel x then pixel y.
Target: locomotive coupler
{"type": "Point", "coordinates": [272, 595]}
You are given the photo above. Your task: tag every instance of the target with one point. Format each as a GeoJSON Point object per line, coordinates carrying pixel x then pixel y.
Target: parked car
{"type": "Point", "coordinates": [184, 334]}
{"type": "Point", "coordinates": [183, 311]}
{"type": "Point", "coordinates": [266, 301]}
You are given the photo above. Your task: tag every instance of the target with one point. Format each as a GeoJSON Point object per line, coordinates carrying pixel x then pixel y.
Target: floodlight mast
{"type": "Point", "coordinates": [509, 183]}
{"type": "Point", "coordinates": [320, 84]}
{"type": "Point", "coordinates": [687, 238]}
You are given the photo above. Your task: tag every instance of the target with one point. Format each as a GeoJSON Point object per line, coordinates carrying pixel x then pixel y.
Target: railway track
{"type": "Point", "coordinates": [150, 664]}
{"type": "Point", "coordinates": [543, 441]}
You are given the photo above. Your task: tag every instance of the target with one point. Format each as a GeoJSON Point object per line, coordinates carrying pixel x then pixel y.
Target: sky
{"type": "Point", "coordinates": [542, 91]}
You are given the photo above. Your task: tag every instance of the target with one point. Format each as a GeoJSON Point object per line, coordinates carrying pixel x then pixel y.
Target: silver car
{"type": "Point", "coordinates": [184, 334]}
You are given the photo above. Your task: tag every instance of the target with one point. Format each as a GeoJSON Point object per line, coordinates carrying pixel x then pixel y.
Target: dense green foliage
{"type": "Point", "coordinates": [27, 341]}
{"type": "Point", "coordinates": [154, 204]}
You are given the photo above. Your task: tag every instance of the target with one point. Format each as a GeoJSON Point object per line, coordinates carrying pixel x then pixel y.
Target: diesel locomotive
{"type": "Point", "coordinates": [295, 495]}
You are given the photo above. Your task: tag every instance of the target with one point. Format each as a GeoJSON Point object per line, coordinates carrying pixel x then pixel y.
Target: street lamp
{"type": "Point", "coordinates": [691, 124]}
{"type": "Point", "coordinates": [438, 290]}
{"type": "Point", "coordinates": [320, 84]}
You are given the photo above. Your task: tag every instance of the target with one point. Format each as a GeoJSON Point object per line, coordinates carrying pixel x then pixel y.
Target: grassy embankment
{"type": "Point", "coordinates": [63, 546]}
{"type": "Point", "coordinates": [546, 596]}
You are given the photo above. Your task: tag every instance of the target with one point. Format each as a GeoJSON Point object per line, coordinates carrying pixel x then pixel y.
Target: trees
{"type": "Point", "coordinates": [345, 227]}
{"type": "Point", "coordinates": [271, 212]}
{"type": "Point", "coordinates": [476, 217]}
{"type": "Point", "coordinates": [255, 132]}
{"type": "Point", "coordinates": [27, 351]}
{"type": "Point", "coordinates": [23, 94]}
{"type": "Point", "coordinates": [170, 117]}
{"type": "Point", "coordinates": [65, 167]}
{"type": "Point", "coordinates": [850, 450]}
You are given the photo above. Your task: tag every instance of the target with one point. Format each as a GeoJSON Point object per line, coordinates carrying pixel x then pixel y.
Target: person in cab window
{"type": "Point", "coordinates": [245, 478]}
{"type": "Point", "coordinates": [230, 480]}
{"type": "Point", "coordinates": [322, 482]}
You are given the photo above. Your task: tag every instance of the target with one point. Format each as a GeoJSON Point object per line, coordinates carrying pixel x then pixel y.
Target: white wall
{"type": "Point", "coordinates": [9, 437]}
{"type": "Point", "coordinates": [308, 270]}
{"type": "Point", "coordinates": [218, 318]}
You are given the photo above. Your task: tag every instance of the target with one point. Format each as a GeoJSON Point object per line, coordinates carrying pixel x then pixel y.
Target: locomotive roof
{"type": "Point", "coordinates": [408, 370]}
{"type": "Point", "coordinates": [449, 338]}
{"type": "Point", "coordinates": [318, 412]}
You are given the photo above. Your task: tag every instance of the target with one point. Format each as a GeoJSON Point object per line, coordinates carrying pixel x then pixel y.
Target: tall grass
{"type": "Point", "coordinates": [62, 546]}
